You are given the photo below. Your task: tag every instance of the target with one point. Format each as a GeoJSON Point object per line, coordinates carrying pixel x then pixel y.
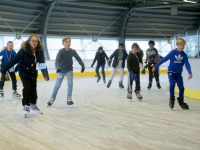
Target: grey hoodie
{"type": "Point", "coordinates": [64, 60]}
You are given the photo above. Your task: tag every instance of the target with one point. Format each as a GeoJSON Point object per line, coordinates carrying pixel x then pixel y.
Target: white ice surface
{"type": "Point", "coordinates": [101, 119]}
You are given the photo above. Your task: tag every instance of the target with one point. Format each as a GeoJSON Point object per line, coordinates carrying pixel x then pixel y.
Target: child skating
{"type": "Point", "coordinates": [134, 63]}
{"type": "Point", "coordinates": [177, 59]}
{"type": "Point", "coordinates": [30, 54]}
{"type": "Point", "coordinates": [119, 56]}
{"type": "Point", "coordinates": [64, 66]}
{"type": "Point", "coordinates": [100, 57]}
{"type": "Point", "coordinates": [8, 54]}
{"type": "Point", "coordinates": [152, 58]}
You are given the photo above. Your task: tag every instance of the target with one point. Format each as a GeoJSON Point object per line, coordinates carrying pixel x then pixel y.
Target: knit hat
{"type": "Point", "coordinates": [100, 48]}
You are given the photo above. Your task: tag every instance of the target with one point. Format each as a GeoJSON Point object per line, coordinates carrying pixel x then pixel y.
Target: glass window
{"type": "Point", "coordinates": [165, 48]}
{"type": "Point", "coordinates": [192, 45]}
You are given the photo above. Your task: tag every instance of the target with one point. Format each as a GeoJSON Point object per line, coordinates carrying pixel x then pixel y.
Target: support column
{"type": "Point", "coordinates": [44, 26]}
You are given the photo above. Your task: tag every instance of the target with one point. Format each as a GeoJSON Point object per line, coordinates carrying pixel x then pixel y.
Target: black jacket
{"type": "Point", "coordinates": [115, 55]}
{"type": "Point", "coordinates": [27, 62]}
{"type": "Point", "coordinates": [100, 57]}
{"type": "Point", "coordinates": [133, 62]}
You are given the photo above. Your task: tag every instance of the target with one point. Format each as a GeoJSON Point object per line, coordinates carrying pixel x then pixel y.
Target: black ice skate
{"type": "Point", "coordinates": [171, 102]}
{"type": "Point", "coordinates": [158, 85]}
{"type": "Point", "coordinates": [149, 86]}
{"type": "Point", "coordinates": [104, 80]}
{"type": "Point", "coordinates": [182, 104]}
{"type": "Point", "coordinates": [1, 94]}
{"type": "Point", "coordinates": [69, 102]}
{"type": "Point", "coordinates": [50, 102]}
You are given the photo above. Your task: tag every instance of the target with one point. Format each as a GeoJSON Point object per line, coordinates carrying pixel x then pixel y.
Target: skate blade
{"type": "Point", "coordinates": [18, 98]}
{"type": "Point", "coordinates": [70, 106]}
{"type": "Point", "coordinates": [25, 115]}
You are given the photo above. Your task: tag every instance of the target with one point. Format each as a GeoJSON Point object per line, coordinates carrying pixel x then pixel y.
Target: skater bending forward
{"type": "Point", "coordinates": [134, 63]}
{"type": "Point", "coordinates": [119, 56]}
{"type": "Point", "coordinates": [100, 57]}
{"type": "Point", "coordinates": [64, 67]}
{"type": "Point", "coordinates": [31, 53]}
{"type": "Point", "coordinates": [177, 59]}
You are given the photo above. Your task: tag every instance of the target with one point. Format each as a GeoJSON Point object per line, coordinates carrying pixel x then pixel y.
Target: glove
{"type": "Point", "coordinates": [109, 62]}
{"type": "Point", "coordinates": [143, 71]}
{"type": "Point", "coordinates": [58, 70]}
{"type": "Point", "coordinates": [152, 65]}
{"type": "Point", "coordinates": [82, 70]}
{"type": "Point", "coordinates": [145, 64]}
{"type": "Point", "coordinates": [16, 68]}
{"type": "Point", "coordinates": [92, 66]}
{"type": "Point", "coordinates": [133, 76]}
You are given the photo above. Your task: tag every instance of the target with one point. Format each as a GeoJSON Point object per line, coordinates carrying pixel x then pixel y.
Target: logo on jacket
{"type": "Point", "coordinates": [179, 59]}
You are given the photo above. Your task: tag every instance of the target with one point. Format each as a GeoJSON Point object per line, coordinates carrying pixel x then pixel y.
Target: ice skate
{"type": "Point", "coordinates": [98, 79]}
{"type": "Point", "coordinates": [26, 110]}
{"type": "Point", "coordinates": [1, 93]}
{"type": "Point", "coordinates": [149, 86]}
{"type": "Point", "coordinates": [109, 83]}
{"type": "Point", "coordinates": [36, 109]}
{"type": "Point", "coordinates": [104, 80]}
{"type": "Point", "coordinates": [158, 85]}
{"type": "Point", "coordinates": [16, 95]}
{"type": "Point", "coordinates": [121, 85]}
{"type": "Point", "coordinates": [171, 102]}
{"type": "Point", "coordinates": [50, 102]}
{"type": "Point", "coordinates": [138, 95]}
{"type": "Point", "coordinates": [129, 95]}
{"type": "Point", "coordinates": [70, 102]}
{"type": "Point", "coordinates": [182, 104]}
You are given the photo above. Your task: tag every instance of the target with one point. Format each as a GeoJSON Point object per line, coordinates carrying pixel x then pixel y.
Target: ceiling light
{"type": "Point", "coordinates": [189, 1]}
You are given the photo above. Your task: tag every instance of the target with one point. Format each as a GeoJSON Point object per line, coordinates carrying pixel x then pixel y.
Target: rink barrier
{"type": "Point", "coordinates": [189, 93]}
{"type": "Point", "coordinates": [54, 75]}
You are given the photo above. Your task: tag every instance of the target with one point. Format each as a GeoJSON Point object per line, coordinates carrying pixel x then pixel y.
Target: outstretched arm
{"type": "Point", "coordinates": [15, 60]}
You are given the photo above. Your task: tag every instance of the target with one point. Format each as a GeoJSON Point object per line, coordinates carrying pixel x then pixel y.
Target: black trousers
{"type": "Point", "coordinates": [137, 82]}
{"type": "Point", "coordinates": [156, 74]}
{"type": "Point", "coordinates": [13, 78]}
{"type": "Point", "coordinates": [29, 91]}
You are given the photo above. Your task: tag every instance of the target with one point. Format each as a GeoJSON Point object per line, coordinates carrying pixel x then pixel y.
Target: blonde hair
{"type": "Point", "coordinates": [66, 38]}
{"type": "Point", "coordinates": [180, 40]}
{"type": "Point", "coordinates": [24, 44]}
{"type": "Point", "coordinates": [135, 45]}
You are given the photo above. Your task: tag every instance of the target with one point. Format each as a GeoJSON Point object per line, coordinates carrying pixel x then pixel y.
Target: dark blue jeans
{"type": "Point", "coordinates": [173, 79]}
{"type": "Point", "coordinates": [102, 70]}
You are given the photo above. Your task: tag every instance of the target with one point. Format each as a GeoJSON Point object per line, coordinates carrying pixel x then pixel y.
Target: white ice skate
{"type": "Point", "coordinates": [26, 111]}
{"type": "Point", "coordinates": [36, 109]}
{"type": "Point", "coordinates": [16, 95]}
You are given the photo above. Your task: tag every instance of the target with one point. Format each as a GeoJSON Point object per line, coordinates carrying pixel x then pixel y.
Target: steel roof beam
{"type": "Point", "coordinates": [44, 25]}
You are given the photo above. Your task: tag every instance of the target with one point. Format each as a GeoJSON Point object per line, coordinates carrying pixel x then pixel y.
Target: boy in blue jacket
{"type": "Point", "coordinates": [8, 54]}
{"type": "Point", "coordinates": [119, 56]}
{"type": "Point", "coordinates": [177, 59]}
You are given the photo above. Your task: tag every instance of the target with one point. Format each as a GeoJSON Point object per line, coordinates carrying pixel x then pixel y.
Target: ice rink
{"type": "Point", "coordinates": [101, 119]}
